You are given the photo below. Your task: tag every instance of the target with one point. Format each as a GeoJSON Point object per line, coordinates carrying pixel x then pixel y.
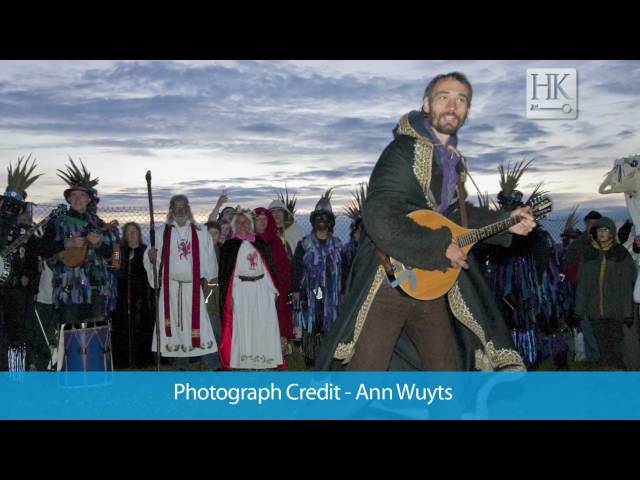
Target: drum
{"type": "Point", "coordinates": [88, 349]}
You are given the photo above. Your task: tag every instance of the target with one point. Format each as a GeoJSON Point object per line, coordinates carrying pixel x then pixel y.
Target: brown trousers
{"type": "Point", "coordinates": [427, 323]}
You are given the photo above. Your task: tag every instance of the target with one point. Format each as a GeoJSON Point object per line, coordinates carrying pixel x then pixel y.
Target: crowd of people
{"type": "Point", "coordinates": [248, 287]}
{"type": "Point", "coordinates": [239, 292]}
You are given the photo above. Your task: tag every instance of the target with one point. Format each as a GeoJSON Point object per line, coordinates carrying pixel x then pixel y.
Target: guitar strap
{"type": "Point", "coordinates": [463, 206]}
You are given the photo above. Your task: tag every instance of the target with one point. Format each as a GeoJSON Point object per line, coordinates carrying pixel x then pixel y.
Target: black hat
{"type": "Point", "coordinates": [593, 215]}
{"type": "Point", "coordinates": [323, 207]}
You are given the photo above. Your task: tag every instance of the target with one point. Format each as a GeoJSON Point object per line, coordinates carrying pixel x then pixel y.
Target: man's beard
{"type": "Point", "coordinates": [447, 129]}
{"type": "Point", "coordinates": [181, 219]}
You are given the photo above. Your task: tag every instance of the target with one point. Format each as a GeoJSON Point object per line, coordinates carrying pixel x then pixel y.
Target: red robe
{"type": "Point", "coordinates": [283, 268]}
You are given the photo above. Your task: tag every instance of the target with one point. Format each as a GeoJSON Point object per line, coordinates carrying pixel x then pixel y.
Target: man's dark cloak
{"type": "Point", "coordinates": [408, 177]}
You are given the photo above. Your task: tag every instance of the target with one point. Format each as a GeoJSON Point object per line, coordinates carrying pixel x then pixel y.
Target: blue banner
{"type": "Point", "coordinates": [319, 396]}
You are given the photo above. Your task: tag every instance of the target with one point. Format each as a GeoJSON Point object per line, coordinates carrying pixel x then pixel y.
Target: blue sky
{"type": "Point", "coordinates": [252, 126]}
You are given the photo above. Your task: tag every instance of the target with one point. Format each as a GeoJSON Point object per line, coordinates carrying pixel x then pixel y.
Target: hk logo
{"type": "Point", "coordinates": [552, 93]}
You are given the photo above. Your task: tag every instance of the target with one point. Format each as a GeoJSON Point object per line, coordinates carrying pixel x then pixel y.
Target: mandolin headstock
{"type": "Point", "coordinates": [541, 205]}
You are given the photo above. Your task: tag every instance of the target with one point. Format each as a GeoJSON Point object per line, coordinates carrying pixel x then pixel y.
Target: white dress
{"type": "Point", "coordinates": [255, 341]}
{"type": "Point", "coordinates": [181, 284]}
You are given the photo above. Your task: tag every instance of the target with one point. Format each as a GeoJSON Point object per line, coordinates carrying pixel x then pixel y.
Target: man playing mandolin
{"type": "Point", "coordinates": [78, 249]}
{"type": "Point", "coordinates": [383, 328]}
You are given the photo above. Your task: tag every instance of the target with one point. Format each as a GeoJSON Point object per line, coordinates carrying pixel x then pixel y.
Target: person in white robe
{"type": "Point", "coordinates": [251, 332]}
{"type": "Point", "coordinates": [183, 334]}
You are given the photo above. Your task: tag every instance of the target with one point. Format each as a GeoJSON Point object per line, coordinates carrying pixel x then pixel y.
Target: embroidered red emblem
{"type": "Point", "coordinates": [184, 248]}
{"type": "Point", "coordinates": [253, 260]}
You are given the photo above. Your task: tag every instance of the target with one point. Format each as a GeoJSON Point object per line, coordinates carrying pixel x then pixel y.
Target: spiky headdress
{"type": "Point", "coordinates": [509, 180]}
{"type": "Point", "coordinates": [570, 229]}
{"type": "Point", "coordinates": [485, 201]}
{"type": "Point", "coordinates": [79, 180]}
{"type": "Point", "coordinates": [509, 196]}
{"type": "Point", "coordinates": [19, 178]}
{"type": "Point", "coordinates": [324, 206]}
{"type": "Point", "coordinates": [288, 201]}
{"type": "Point", "coordinates": [354, 209]}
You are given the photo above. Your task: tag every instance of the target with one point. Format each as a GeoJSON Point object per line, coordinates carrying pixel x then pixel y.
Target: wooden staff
{"type": "Point", "coordinates": [156, 293]}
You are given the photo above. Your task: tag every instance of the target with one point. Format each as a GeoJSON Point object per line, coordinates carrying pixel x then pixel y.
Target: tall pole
{"type": "Point", "coordinates": [156, 293]}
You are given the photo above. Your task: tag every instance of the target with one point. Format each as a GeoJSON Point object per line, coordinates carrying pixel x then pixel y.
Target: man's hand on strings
{"type": "Point", "coordinates": [526, 224]}
{"type": "Point", "coordinates": [457, 257]}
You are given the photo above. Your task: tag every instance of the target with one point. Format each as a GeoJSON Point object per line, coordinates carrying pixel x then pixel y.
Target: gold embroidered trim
{"type": "Point", "coordinates": [463, 314]}
{"type": "Point", "coordinates": [345, 351]}
{"type": "Point", "coordinates": [504, 357]}
{"type": "Point", "coordinates": [489, 358]}
{"type": "Point", "coordinates": [405, 128]}
{"type": "Point", "coordinates": [422, 158]}
{"type": "Point", "coordinates": [482, 361]}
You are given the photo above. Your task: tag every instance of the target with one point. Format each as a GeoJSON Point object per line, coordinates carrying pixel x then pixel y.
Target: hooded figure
{"type": "Point", "coordinates": [604, 292]}
{"type": "Point", "coordinates": [282, 266]}
{"type": "Point", "coordinates": [250, 329]}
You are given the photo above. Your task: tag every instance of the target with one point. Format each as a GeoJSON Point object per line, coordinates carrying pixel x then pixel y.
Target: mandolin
{"type": "Point", "coordinates": [76, 256]}
{"type": "Point", "coordinates": [432, 284]}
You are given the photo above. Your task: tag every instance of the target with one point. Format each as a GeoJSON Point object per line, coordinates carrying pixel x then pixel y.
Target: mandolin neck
{"type": "Point", "coordinates": [476, 235]}
{"type": "Point", "coordinates": [9, 249]}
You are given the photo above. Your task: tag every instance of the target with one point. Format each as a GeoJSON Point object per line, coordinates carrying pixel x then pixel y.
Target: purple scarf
{"type": "Point", "coordinates": [449, 158]}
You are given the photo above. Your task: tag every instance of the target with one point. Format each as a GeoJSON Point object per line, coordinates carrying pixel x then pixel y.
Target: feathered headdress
{"type": "Point", "coordinates": [288, 201]}
{"type": "Point", "coordinates": [354, 209]}
{"type": "Point", "coordinates": [510, 178]}
{"type": "Point", "coordinates": [570, 229]}
{"type": "Point", "coordinates": [324, 206]}
{"type": "Point", "coordinates": [19, 178]}
{"type": "Point", "coordinates": [485, 201]}
{"type": "Point", "coordinates": [78, 179]}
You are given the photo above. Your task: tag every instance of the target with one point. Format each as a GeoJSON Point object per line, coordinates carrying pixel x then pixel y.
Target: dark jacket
{"type": "Point", "coordinates": [605, 283]}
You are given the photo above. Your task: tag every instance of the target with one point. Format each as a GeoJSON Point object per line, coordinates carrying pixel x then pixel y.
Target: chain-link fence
{"type": "Point", "coordinates": [140, 215]}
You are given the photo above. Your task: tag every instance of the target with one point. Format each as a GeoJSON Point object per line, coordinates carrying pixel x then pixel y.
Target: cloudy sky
{"type": "Point", "coordinates": [253, 126]}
